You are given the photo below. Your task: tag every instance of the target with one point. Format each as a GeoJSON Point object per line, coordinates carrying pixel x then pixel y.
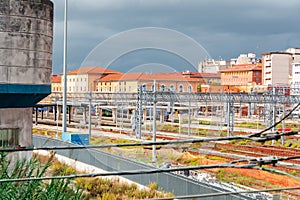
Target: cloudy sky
{"type": "Point", "coordinates": [224, 28]}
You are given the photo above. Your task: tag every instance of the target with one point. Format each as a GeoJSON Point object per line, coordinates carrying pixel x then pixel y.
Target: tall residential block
{"type": "Point", "coordinates": [277, 66]}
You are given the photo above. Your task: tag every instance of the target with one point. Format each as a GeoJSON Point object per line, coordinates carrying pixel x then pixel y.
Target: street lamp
{"type": "Point", "coordinates": [64, 121]}
{"type": "Point", "coordinates": [154, 123]}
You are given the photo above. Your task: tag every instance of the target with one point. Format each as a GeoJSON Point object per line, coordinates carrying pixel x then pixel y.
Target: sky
{"type": "Point", "coordinates": [131, 35]}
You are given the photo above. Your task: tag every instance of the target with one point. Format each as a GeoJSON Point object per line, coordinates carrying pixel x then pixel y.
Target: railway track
{"type": "Point", "coordinates": [263, 151]}
{"type": "Point", "coordinates": [226, 149]}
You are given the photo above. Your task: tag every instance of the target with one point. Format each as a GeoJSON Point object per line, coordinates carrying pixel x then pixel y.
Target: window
{"type": "Point", "coordinates": [144, 87]}
{"type": "Point", "coordinates": [190, 88]}
{"type": "Point", "coordinates": [172, 88]}
{"type": "Point", "coordinates": [180, 88]}
{"type": "Point", "coordinates": [9, 137]}
{"type": "Point", "coordinates": [152, 87]}
{"type": "Point", "coordinates": [162, 88]}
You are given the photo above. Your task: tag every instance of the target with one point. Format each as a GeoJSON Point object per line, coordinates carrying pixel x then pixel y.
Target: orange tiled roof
{"type": "Point", "coordinates": [242, 67]}
{"type": "Point", "coordinates": [201, 75]}
{"type": "Point", "coordinates": [111, 77]}
{"type": "Point", "coordinates": [132, 76]}
{"type": "Point", "coordinates": [55, 78]}
{"type": "Point", "coordinates": [140, 76]}
{"type": "Point", "coordinates": [91, 70]}
{"type": "Point", "coordinates": [169, 76]}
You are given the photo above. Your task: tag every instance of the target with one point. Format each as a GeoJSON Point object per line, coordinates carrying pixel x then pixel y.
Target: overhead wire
{"type": "Point", "coordinates": [272, 136]}
{"type": "Point", "coordinates": [259, 137]}
{"type": "Point", "coordinates": [274, 125]}
{"type": "Point", "coordinates": [279, 172]}
{"type": "Point", "coordinates": [131, 172]}
{"type": "Point", "coordinates": [251, 165]}
{"type": "Point", "coordinates": [229, 165]}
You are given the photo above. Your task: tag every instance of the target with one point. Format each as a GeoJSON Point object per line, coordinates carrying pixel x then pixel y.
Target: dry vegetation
{"type": "Point", "coordinates": [104, 188]}
{"type": "Point", "coordinates": [249, 177]}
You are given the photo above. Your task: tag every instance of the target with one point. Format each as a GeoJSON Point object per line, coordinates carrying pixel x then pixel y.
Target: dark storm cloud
{"type": "Point", "coordinates": [224, 28]}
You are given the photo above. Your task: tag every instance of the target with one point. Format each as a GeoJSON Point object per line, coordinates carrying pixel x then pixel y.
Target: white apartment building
{"type": "Point", "coordinates": [213, 66]}
{"type": "Point", "coordinates": [249, 58]}
{"type": "Point", "coordinates": [295, 84]}
{"type": "Point", "coordinates": [277, 66]}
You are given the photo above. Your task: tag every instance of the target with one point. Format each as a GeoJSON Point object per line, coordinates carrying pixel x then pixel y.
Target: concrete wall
{"type": "Point", "coordinates": [26, 35]}
{"type": "Point", "coordinates": [26, 31]}
{"type": "Point", "coordinates": [281, 64]}
{"type": "Point", "coordinates": [20, 118]}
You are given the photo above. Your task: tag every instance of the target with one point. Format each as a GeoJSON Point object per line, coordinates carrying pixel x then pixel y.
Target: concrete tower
{"type": "Point", "coordinates": [26, 34]}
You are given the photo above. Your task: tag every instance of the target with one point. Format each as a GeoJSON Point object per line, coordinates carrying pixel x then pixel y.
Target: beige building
{"type": "Point", "coordinates": [56, 83]}
{"type": "Point", "coordinates": [242, 75]}
{"type": "Point", "coordinates": [80, 80]}
{"type": "Point", "coordinates": [165, 81]}
{"type": "Point", "coordinates": [277, 66]}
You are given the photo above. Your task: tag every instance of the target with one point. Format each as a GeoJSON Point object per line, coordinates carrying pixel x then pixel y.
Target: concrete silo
{"type": "Point", "coordinates": [26, 35]}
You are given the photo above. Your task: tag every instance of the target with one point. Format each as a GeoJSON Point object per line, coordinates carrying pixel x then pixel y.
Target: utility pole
{"type": "Point", "coordinates": [154, 123]}
{"type": "Point", "coordinates": [64, 121]}
{"type": "Point", "coordinates": [283, 126]}
{"type": "Point", "coordinates": [139, 112]}
{"type": "Point", "coordinates": [273, 114]}
{"type": "Point", "coordinates": [230, 115]}
{"type": "Point", "coordinates": [189, 117]}
{"type": "Point", "coordinates": [57, 116]}
{"type": "Point", "coordinates": [90, 113]}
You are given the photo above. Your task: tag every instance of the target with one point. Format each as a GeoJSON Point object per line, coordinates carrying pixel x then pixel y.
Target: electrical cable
{"type": "Point", "coordinates": [274, 125]}
{"type": "Point", "coordinates": [132, 172]}
{"type": "Point", "coordinates": [270, 137]}
{"type": "Point", "coordinates": [250, 165]}
{"type": "Point", "coordinates": [279, 172]}
{"type": "Point", "coordinates": [253, 137]}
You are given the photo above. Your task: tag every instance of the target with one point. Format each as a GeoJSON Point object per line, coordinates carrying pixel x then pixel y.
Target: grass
{"type": "Point", "coordinates": [107, 189]}
{"type": "Point", "coordinates": [104, 188]}
{"type": "Point", "coordinates": [228, 177]}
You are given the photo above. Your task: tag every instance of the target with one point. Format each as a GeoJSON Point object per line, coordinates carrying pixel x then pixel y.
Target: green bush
{"type": "Point", "coordinates": [38, 189]}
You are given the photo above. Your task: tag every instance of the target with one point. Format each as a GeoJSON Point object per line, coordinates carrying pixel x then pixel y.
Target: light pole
{"type": "Point", "coordinates": [64, 121]}
{"type": "Point", "coordinates": [189, 117]}
{"type": "Point", "coordinates": [90, 113]}
{"type": "Point", "coordinates": [57, 116]}
{"type": "Point", "coordinates": [154, 123]}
